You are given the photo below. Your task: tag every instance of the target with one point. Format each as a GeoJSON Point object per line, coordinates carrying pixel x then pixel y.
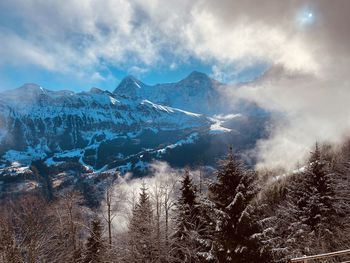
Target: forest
{"type": "Point", "coordinates": [235, 215]}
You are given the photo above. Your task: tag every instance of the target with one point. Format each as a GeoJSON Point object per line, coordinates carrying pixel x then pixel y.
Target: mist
{"type": "Point", "coordinates": [164, 178]}
{"type": "Point", "coordinates": [306, 82]}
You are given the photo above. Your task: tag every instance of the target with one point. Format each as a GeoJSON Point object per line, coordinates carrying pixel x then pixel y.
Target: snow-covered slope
{"type": "Point", "coordinates": [36, 122]}
{"type": "Point", "coordinates": [183, 123]}
{"type": "Point", "coordinates": [95, 107]}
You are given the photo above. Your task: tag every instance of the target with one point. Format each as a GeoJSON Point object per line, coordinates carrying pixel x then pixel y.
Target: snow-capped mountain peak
{"type": "Point", "coordinates": [197, 76]}
{"type": "Point", "coordinates": [196, 93]}
{"type": "Point", "coordinates": [27, 93]}
{"type": "Point", "coordinates": [129, 87]}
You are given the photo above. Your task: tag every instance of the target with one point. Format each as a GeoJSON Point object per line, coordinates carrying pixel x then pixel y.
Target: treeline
{"type": "Point", "coordinates": [241, 215]}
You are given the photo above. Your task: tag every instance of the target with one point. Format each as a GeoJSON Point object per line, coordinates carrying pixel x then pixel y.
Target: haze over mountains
{"type": "Point", "coordinates": [126, 129]}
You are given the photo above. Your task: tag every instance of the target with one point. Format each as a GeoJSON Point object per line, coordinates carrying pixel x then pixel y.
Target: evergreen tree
{"type": "Point", "coordinates": [141, 229]}
{"type": "Point", "coordinates": [187, 223]}
{"type": "Point", "coordinates": [319, 207]}
{"type": "Point", "coordinates": [306, 222]}
{"type": "Point", "coordinates": [236, 236]}
{"type": "Point", "coordinates": [89, 192]}
{"type": "Point", "coordinates": [94, 244]}
{"type": "Point", "coordinates": [42, 173]}
{"type": "Point", "coordinates": [314, 197]}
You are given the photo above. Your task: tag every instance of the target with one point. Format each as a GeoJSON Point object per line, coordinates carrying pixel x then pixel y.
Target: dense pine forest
{"type": "Point", "coordinates": [233, 215]}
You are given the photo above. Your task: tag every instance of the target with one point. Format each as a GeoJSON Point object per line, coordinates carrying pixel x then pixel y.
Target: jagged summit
{"type": "Point", "coordinates": [198, 80]}
{"type": "Point", "coordinates": [129, 87]}
{"type": "Point", "coordinates": [32, 88]}
{"type": "Point", "coordinates": [130, 81]}
{"type": "Point", "coordinates": [197, 75]}
{"type": "Point", "coordinates": [197, 92]}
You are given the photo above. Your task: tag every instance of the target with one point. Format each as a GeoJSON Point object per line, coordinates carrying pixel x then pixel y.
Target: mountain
{"type": "Point", "coordinates": [36, 121]}
{"type": "Point", "coordinates": [126, 129]}
{"type": "Point", "coordinates": [196, 93]}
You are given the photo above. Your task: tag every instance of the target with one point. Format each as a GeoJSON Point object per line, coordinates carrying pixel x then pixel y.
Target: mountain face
{"type": "Point", "coordinates": [196, 93]}
{"type": "Point", "coordinates": [126, 129]}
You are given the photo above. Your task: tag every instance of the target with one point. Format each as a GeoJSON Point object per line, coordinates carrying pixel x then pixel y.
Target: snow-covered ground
{"type": "Point", "coordinates": [190, 139]}
{"type": "Point", "coordinates": [219, 122]}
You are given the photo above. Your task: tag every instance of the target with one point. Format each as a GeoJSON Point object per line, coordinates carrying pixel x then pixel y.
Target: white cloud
{"type": "Point", "coordinates": [80, 36]}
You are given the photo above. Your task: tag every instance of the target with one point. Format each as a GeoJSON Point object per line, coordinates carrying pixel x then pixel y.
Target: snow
{"type": "Point", "coordinates": [217, 128]}
{"type": "Point", "coordinates": [18, 158]}
{"type": "Point", "coordinates": [86, 166]}
{"type": "Point", "coordinates": [190, 139]}
{"type": "Point", "coordinates": [137, 85]}
{"type": "Point", "coordinates": [219, 120]}
{"type": "Point", "coordinates": [113, 100]}
{"type": "Point", "coordinates": [226, 117]}
{"type": "Point", "coordinates": [26, 186]}
{"type": "Point", "coordinates": [158, 107]}
{"type": "Point", "coordinates": [170, 109]}
{"type": "Point", "coordinates": [124, 117]}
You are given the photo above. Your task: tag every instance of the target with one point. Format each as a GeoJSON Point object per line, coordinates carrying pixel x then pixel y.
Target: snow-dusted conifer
{"type": "Point", "coordinates": [141, 229]}
{"type": "Point", "coordinates": [185, 242]}
{"type": "Point", "coordinates": [237, 233]}
{"type": "Point", "coordinates": [306, 221]}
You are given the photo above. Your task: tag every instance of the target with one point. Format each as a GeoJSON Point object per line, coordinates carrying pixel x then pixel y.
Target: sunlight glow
{"type": "Point", "coordinates": [305, 18]}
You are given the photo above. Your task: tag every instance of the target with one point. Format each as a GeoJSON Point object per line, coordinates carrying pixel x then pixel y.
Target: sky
{"type": "Point", "coordinates": [292, 55]}
{"type": "Point", "coordinates": [80, 44]}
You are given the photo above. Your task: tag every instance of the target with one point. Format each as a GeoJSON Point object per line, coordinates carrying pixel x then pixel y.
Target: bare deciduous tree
{"type": "Point", "coordinates": [113, 203]}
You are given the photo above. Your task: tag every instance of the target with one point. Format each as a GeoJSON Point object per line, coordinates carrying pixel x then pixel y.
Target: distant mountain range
{"type": "Point", "coordinates": [196, 93]}
{"type": "Point", "coordinates": [184, 123]}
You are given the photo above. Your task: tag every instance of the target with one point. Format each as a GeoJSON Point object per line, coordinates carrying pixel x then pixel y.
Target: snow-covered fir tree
{"type": "Point", "coordinates": [306, 222]}
{"type": "Point", "coordinates": [319, 207]}
{"type": "Point", "coordinates": [185, 243]}
{"type": "Point", "coordinates": [141, 230]}
{"type": "Point", "coordinates": [236, 237]}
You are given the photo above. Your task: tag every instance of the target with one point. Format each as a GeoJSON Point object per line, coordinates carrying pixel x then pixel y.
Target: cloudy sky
{"type": "Point", "coordinates": [294, 53]}
{"type": "Point", "coordinates": [77, 44]}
